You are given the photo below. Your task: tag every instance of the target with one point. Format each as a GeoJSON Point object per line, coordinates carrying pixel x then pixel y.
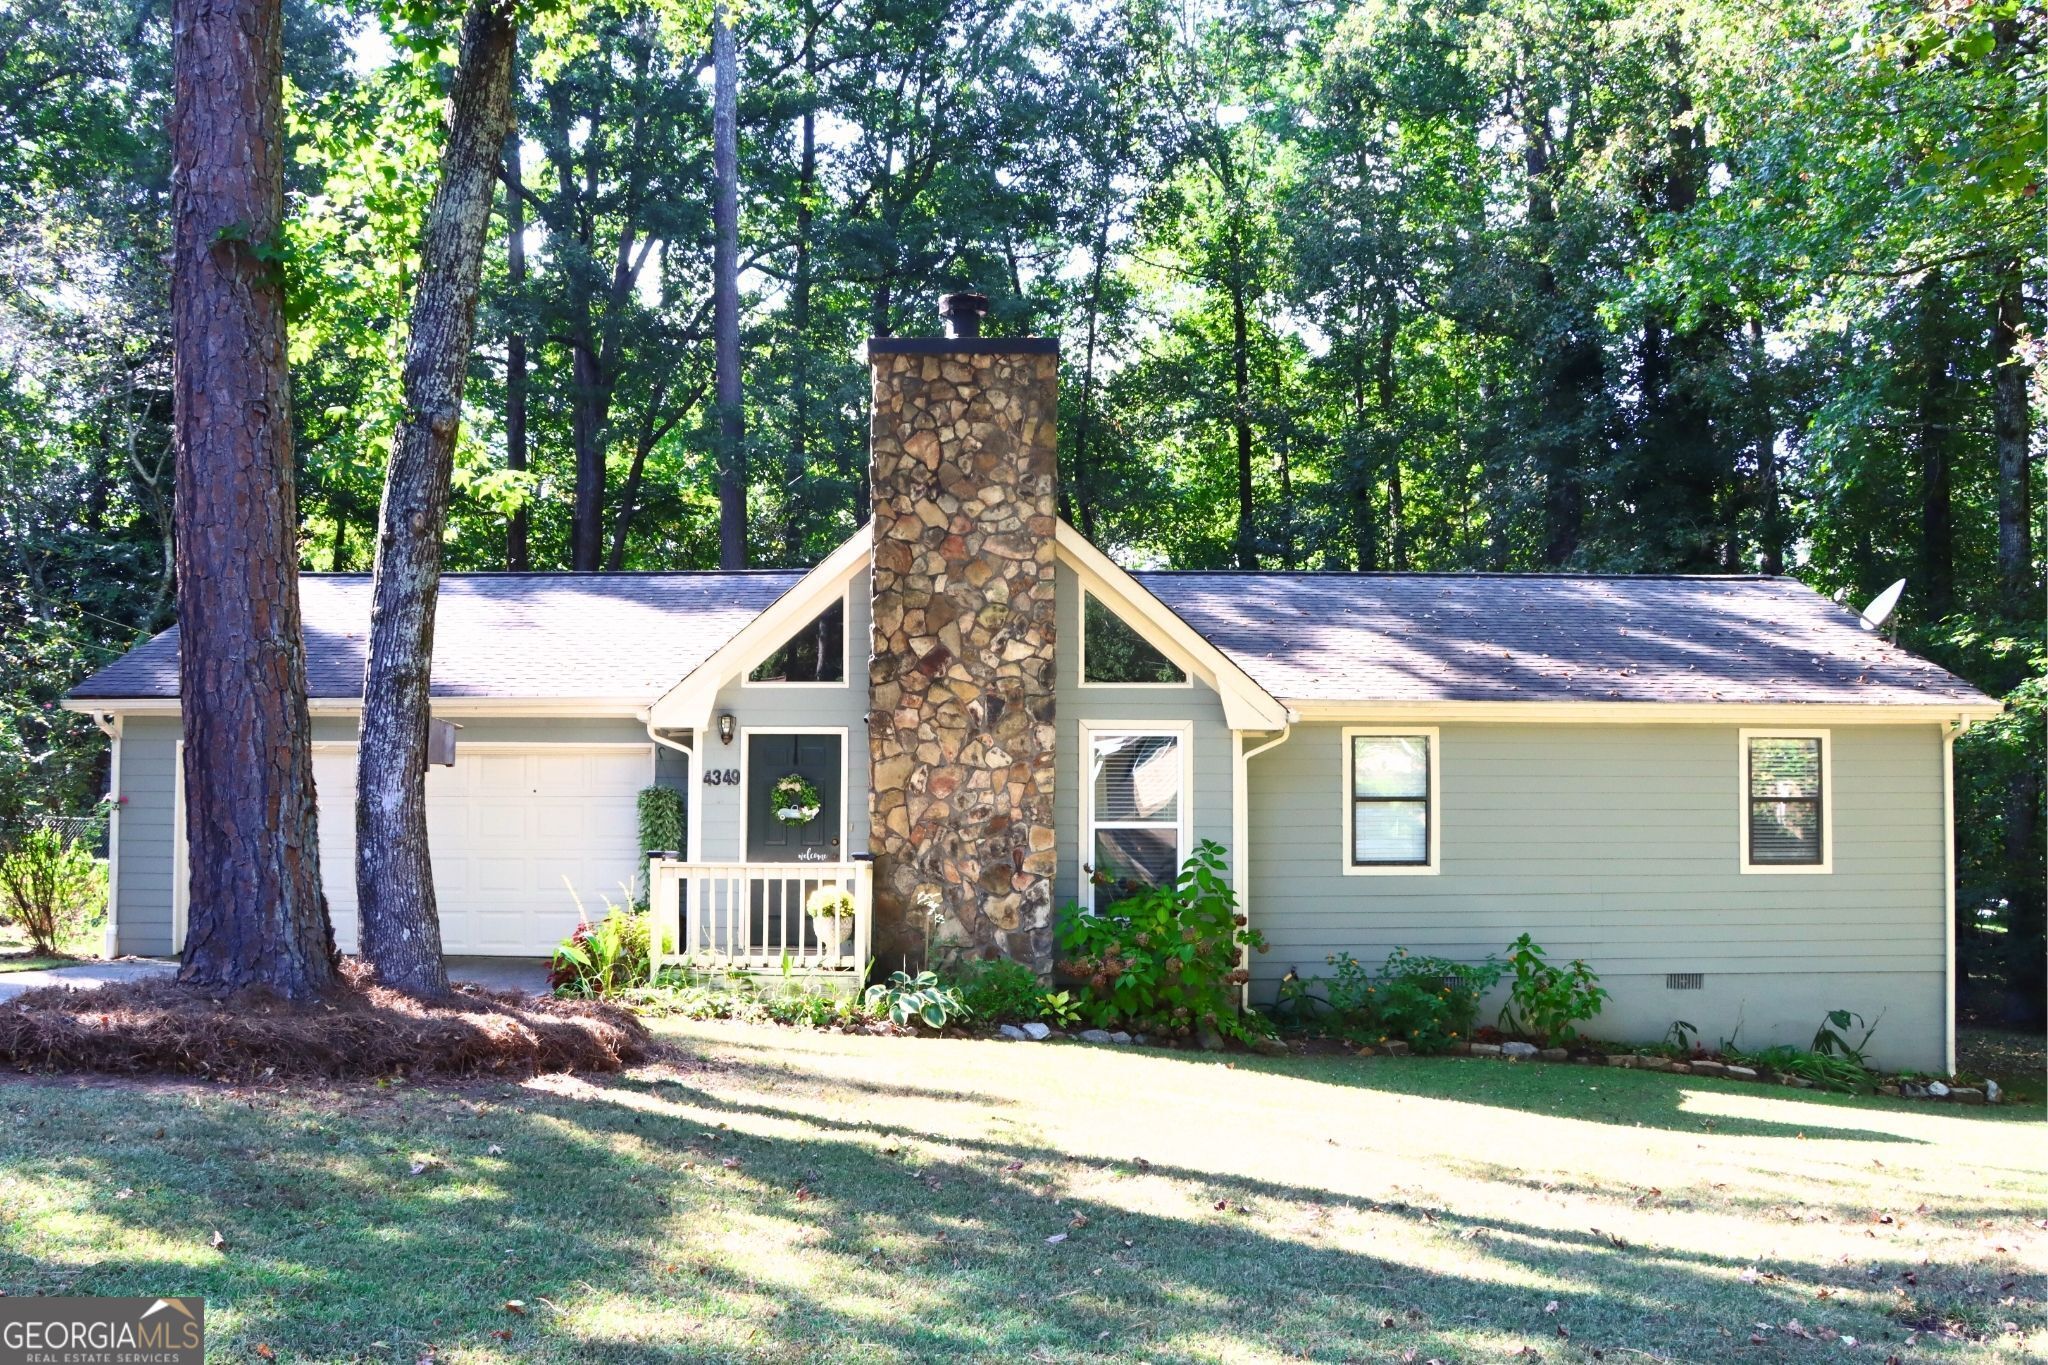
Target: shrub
{"type": "Point", "coordinates": [1547, 1003]}
{"type": "Point", "coordinates": [604, 958]}
{"type": "Point", "coordinates": [1001, 991]}
{"type": "Point", "coordinates": [1167, 960]}
{"type": "Point", "coordinates": [52, 887]}
{"type": "Point", "coordinates": [1059, 1008]}
{"type": "Point", "coordinates": [922, 998]}
{"type": "Point", "coordinates": [743, 996]}
{"type": "Point", "coordinates": [1427, 1002]}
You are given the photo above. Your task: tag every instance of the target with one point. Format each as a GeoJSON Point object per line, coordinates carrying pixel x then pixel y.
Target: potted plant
{"type": "Point", "coordinates": [831, 911]}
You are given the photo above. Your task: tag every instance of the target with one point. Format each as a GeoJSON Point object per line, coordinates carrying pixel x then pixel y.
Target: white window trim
{"type": "Point", "coordinates": [747, 680]}
{"type": "Point", "coordinates": [1436, 813]}
{"type": "Point", "coordinates": [746, 780]}
{"type": "Point", "coordinates": [1827, 804]}
{"type": "Point", "coordinates": [1187, 674]}
{"type": "Point", "coordinates": [1181, 730]}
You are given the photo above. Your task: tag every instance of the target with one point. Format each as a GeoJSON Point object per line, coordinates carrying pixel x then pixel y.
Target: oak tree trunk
{"type": "Point", "coordinates": [725, 294]}
{"type": "Point", "coordinates": [1932, 434]}
{"type": "Point", "coordinates": [401, 930]}
{"type": "Point", "coordinates": [257, 917]}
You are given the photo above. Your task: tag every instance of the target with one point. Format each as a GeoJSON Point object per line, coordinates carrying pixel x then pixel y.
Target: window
{"type": "Point", "coordinates": [1785, 802]}
{"type": "Point", "coordinates": [1390, 794]}
{"type": "Point", "coordinates": [815, 654]}
{"type": "Point", "coordinates": [1135, 812]}
{"type": "Point", "coordinates": [1112, 652]}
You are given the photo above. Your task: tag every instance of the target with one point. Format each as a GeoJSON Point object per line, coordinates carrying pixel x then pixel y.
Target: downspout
{"type": "Point", "coordinates": [1948, 880]}
{"type": "Point", "coordinates": [691, 838]}
{"type": "Point", "coordinates": [1240, 825]}
{"type": "Point", "coordinates": [110, 725]}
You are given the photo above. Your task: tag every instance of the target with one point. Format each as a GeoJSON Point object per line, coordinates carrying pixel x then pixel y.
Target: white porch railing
{"type": "Point", "coordinates": [751, 917]}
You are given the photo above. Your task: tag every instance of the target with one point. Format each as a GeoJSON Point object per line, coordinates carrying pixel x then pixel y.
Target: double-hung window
{"type": "Point", "coordinates": [1785, 802]}
{"type": "Point", "coordinates": [1390, 801]}
{"type": "Point", "coordinates": [1137, 807]}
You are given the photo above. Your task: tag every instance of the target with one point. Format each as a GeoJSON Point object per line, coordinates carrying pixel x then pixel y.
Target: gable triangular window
{"type": "Point", "coordinates": [815, 654]}
{"type": "Point", "coordinates": [1112, 652]}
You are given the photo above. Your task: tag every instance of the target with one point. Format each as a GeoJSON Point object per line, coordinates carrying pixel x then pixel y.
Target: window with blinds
{"type": "Point", "coordinates": [1134, 811]}
{"type": "Point", "coordinates": [1786, 826]}
{"type": "Point", "coordinates": [1390, 790]}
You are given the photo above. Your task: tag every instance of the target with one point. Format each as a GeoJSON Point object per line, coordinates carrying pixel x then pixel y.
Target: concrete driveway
{"type": "Point", "coordinates": [84, 976]}
{"type": "Point", "coordinates": [526, 974]}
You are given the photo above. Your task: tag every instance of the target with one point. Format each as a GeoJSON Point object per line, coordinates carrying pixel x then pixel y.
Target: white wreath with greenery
{"type": "Point", "coordinates": [795, 800]}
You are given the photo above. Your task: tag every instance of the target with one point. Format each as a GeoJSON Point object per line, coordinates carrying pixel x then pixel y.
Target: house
{"type": "Point", "coordinates": [1723, 792]}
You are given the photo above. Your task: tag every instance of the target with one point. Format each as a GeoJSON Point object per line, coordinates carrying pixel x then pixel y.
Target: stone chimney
{"type": "Point", "coordinates": [960, 688]}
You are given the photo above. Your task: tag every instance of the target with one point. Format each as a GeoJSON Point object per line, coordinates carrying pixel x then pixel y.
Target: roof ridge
{"type": "Point", "coordinates": [1514, 574]}
{"type": "Point", "coordinates": [579, 575]}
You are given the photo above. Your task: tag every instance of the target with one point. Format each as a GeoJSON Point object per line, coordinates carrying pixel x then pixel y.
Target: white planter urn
{"type": "Point", "coordinates": [832, 929]}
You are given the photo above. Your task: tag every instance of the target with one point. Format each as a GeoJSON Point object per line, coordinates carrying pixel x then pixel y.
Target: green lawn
{"type": "Point", "coordinates": [762, 1194]}
{"type": "Point", "coordinates": [18, 955]}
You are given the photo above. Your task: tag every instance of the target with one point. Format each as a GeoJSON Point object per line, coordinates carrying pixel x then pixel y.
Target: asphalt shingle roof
{"type": "Point", "coordinates": [1303, 637]}
{"type": "Point", "coordinates": [1548, 637]}
{"type": "Point", "coordinates": [506, 635]}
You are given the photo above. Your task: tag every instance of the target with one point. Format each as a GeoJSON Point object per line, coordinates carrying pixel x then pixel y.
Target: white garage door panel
{"type": "Point", "coordinates": [506, 826]}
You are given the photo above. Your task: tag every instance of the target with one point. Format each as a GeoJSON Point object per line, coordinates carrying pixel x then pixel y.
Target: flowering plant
{"type": "Point", "coordinates": [795, 800]}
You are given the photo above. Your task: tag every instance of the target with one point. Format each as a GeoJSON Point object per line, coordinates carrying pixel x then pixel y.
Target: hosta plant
{"type": "Point", "coordinates": [922, 999]}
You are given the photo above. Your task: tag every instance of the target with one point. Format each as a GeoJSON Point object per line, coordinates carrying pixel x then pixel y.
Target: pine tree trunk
{"type": "Point", "coordinates": [257, 916]}
{"type": "Point", "coordinates": [1937, 514]}
{"type": "Point", "coordinates": [1241, 410]}
{"type": "Point", "coordinates": [401, 928]}
{"type": "Point", "coordinates": [2011, 420]}
{"type": "Point", "coordinates": [725, 294]}
{"type": "Point", "coordinates": [518, 557]}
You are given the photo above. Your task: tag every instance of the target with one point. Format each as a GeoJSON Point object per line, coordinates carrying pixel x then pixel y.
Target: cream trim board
{"type": "Point", "coordinates": [747, 683]}
{"type": "Point", "coordinates": [688, 705]}
{"type": "Point", "coordinates": [746, 777]}
{"type": "Point", "coordinates": [1827, 803]}
{"type": "Point", "coordinates": [1948, 886]}
{"type": "Point", "coordinates": [1643, 713]}
{"type": "Point", "coordinates": [1181, 730]}
{"type": "Point", "coordinates": [111, 935]}
{"type": "Point", "coordinates": [1246, 705]}
{"type": "Point", "coordinates": [1434, 813]}
{"type": "Point", "coordinates": [1165, 647]}
{"type": "Point", "coordinates": [181, 854]}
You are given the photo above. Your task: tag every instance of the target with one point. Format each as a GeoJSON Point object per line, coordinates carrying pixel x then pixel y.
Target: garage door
{"type": "Point", "coordinates": [511, 830]}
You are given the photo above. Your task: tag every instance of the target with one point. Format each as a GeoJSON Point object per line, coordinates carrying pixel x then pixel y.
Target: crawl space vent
{"type": "Point", "coordinates": [1684, 981]}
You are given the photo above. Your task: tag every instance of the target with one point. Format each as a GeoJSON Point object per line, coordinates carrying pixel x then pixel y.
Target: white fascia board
{"type": "Point", "coordinates": [1650, 712]}
{"type": "Point", "coordinates": [687, 705]}
{"type": "Point", "coordinates": [1246, 705]}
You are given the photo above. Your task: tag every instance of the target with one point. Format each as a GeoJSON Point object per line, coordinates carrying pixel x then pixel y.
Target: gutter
{"type": "Point", "coordinates": [693, 837]}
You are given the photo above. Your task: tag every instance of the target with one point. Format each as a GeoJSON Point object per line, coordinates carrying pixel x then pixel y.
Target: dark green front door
{"type": "Point", "coordinates": [778, 903]}
{"type": "Point", "coordinates": [771, 758]}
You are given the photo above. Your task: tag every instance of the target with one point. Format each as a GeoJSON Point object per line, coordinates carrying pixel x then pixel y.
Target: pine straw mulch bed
{"type": "Point", "coordinates": [360, 1030]}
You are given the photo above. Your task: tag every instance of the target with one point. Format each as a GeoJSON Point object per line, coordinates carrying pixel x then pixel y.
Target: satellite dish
{"type": "Point", "coordinates": [1882, 605]}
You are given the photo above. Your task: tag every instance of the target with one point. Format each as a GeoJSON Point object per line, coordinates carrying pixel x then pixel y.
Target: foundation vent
{"type": "Point", "coordinates": [1685, 981]}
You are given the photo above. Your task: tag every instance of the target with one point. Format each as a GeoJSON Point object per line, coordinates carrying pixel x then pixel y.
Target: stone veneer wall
{"type": "Point", "coordinates": [960, 725]}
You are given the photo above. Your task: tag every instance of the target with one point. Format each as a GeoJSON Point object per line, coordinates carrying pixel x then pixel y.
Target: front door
{"type": "Point", "coordinates": [770, 758]}
{"type": "Point", "coordinates": [778, 903]}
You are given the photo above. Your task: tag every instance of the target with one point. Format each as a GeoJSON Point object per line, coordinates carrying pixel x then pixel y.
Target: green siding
{"type": "Point", "coordinates": [787, 706]}
{"type": "Point", "coordinates": [1075, 702]}
{"type": "Point", "coordinates": [149, 747]}
{"type": "Point", "coordinates": [1619, 844]}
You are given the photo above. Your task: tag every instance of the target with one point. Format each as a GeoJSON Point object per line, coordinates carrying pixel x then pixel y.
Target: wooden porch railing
{"type": "Point", "coordinates": [751, 917]}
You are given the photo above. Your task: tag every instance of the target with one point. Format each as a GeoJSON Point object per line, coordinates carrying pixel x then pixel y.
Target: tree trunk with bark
{"type": "Point", "coordinates": [401, 927]}
{"type": "Point", "coordinates": [725, 294]}
{"type": "Point", "coordinates": [518, 557]}
{"type": "Point", "coordinates": [1932, 431]}
{"type": "Point", "coordinates": [2011, 420]}
{"type": "Point", "coordinates": [257, 916]}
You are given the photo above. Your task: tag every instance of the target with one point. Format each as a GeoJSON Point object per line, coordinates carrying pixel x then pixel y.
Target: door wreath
{"type": "Point", "coordinates": [795, 800]}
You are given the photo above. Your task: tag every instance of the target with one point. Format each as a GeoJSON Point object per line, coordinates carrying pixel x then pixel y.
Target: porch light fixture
{"type": "Point", "coordinates": [725, 727]}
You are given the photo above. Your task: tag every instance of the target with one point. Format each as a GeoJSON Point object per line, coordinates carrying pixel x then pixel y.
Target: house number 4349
{"type": "Point", "coordinates": [721, 777]}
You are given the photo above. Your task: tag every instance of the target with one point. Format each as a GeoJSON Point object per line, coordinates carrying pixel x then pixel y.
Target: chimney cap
{"type": "Point", "coordinates": [963, 313]}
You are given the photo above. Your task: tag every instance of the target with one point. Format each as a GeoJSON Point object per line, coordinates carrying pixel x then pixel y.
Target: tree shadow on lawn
{"type": "Point", "coordinates": [614, 1216]}
{"type": "Point", "coordinates": [1592, 1094]}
